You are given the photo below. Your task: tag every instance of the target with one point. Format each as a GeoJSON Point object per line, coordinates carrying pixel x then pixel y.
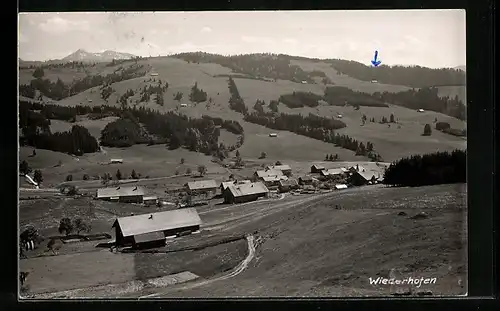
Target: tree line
{"type": "Point", "coordinates": [428, 169]}
{"type": "Point", "coordinates": [35, 129]}
{"type": "Point", "coordinates": [195, 134]}
{"type": "Point", "coordinates": [426, 98]}
{"type": "Point", "coordinates": [412, 76]}
{"type": "Point", "coordinates": [267, 65]}
{"type": "Point", "coordinates": [300, 99]}
{"type": "Point", "coordinates": [59, 90]}
{"type": "Point", "coordinates": [236, 103]}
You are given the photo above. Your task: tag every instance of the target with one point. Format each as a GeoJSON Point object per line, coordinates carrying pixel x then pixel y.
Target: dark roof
{"type": "Point", "coordinates": [247, 189]}
{"type": "Point", "coordinates": [149, 237]}
{"type": "Point", "coordinates": [119, 192]}
{"type": "Point", "coordinates": [144, 223]}
{"type": "Point", "coordinates": [201, 184]}
{"type": "Point", "coordinates": [318, 167]}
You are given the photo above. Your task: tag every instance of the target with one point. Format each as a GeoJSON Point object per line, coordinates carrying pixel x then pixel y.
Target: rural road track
{"type": "Point", "coordinates": [237, 270]}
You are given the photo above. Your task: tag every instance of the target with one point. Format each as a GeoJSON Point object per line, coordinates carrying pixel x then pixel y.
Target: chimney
{"type": "Point", "coordinates": [357, 167]}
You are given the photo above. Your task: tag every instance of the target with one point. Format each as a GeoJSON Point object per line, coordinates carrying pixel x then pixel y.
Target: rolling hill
{"type": "Point", "coordinates": [392, 141]}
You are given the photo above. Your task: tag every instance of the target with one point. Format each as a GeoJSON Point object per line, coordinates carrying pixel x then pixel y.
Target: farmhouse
{"type": "Point", "coordinates": [333, 172]}
{"type": "Point", "coordinates": [121, 194]}
{"type": "Point", "coordinates": [364, 178]}
{"type": "Point", "coordinates": [420, 110]}
{"type": "Point", "coordinates": [116, 161]}
{"type": "Point", "coordinates": [306, 180]}
{"type": "Point", "coordinates": [150, 200]}
{"type": "Point", "coordinates": [273, 182]}
{"type": "Point", "coordinates": [317, 168]}
{"type": "Point", "coordinates": [273, 135]}
{"type": "Point", "coordinates": [207, 187]}
{"type": "Point", "coordinates": [285, 169]}
{"type": "Point", "coordinates": [267, 173]}
{"type": "Point", "coordinates": [147, 230]}
{"type": "Point", "coordinates": [287, 185]}
{"type": "Point", "coordinates": [245, 192]}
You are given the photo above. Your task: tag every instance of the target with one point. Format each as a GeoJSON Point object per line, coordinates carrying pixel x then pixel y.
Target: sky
{"type": "Point", "coordinates": [430, 38]}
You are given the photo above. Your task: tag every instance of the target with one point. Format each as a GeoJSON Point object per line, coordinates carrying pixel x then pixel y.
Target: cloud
{"type": "Point", "coordinates": [206, 29]}
{"type": "Point", "coordinates": [58, 25]}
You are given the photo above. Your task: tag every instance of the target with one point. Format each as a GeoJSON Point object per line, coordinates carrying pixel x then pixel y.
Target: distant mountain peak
{"type": "Point", "coordinates": [106, 56]}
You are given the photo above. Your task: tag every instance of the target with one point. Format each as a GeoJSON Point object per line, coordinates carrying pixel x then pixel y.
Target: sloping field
{"type": "Point", "coordinates": [313, 249]}
{"type": "Point", "coordinates": [251, 90]}
{"type": "Point", "coordinates": [347, 81]}
{"type": "Point", "coordinates": [151, 161]}
{"type": "Point", "coordinates": [398, 140]}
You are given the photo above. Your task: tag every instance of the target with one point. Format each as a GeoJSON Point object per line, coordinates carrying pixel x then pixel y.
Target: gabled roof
{"type": "Point", "coordinates": [226, 184]}
{"type": "Point", "coordinates": [274, 178]}
{"type": "Point", "coordinates": [119, 192]}
{"type": "Point", "coordinates": [201, 184]}
{"type": "Point", "coordinates": [266, 173]}
{"type": "Point", "coordinates": [307, 177]}
{"type": "Point", "coordinates": [318, 167]}
{"type": "Point", "coordinates": [144, 223]}
{"type": "Point", "coordinates": [332, 171]}
{"type": "Point", "coordinates": [289, 182]}
{"type": "Point", "coordinates": [283, 167]}
{"type": "Point", "coordinates": [247, 189]}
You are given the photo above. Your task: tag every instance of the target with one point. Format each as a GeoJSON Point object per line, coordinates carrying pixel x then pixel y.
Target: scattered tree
{"type": "Point", "coordinates": [188, 171]}
{"type": "Point", "coordinates": [202, 169]}
{"type": "Point", "coordinates": [176, 172]}
{"type": "Point", "coordinates": [79, 225]}
{"type": "Point", "coordinates": [85, 177]}
{"type": "Point", "coordinates": [38, 176]}
{"type": "Point", "coordinates": [65, 226]}
{"type": "Point", "coordinates": [262, 155]}
{"type": "Point", "coordinates": [118, 174]}
{"type": "Point", "coordinates": [38, 73]}
{"type": "Point", "coordinates": [72, 190]}
{"type": "Point", "coordinates": [427, 130]}
{"type": "Point", "coordinates": [24, 167]}
{"type": "Point", "coordinates": [237, 153]}
{"type": "Point", "coordinates": [134, 175]}
{"type": "Point", "coordinates": [183, 161]}
{"type": "Point", "coordinates": [392, 118]}
{"type": "Point", "coordinates": [69, 177]}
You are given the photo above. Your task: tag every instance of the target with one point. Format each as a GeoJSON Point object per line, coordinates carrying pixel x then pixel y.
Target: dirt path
{"type": "Point", "coordinates": [237, 270]}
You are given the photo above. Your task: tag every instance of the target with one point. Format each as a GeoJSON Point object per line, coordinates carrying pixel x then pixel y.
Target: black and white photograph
{"type": "Point", "coordinates": [242, 154]}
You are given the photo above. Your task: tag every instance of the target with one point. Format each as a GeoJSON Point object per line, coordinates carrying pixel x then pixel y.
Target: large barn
{"type": "Point", "coordinates": [207, 187]}
{"type": "Point", "coordinates": [122, 194]}
{"type": "Point", "coordinates": [151, 229]}
{"type": "Point", "coordinates": [245, 192]}
{"type": "Point", "coordinates": [285, 169]}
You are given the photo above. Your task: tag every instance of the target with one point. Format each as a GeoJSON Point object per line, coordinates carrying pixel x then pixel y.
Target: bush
{"type": "Point", "coordinates": [85, 177]}
{"type": "Point", "coordinates": [427, 130]}
{"type": "Point", "coordinates": [440, 126]}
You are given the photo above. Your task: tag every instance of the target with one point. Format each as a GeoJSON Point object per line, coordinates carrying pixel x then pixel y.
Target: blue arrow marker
{"type": "Point", "coordinates": [375, 62]}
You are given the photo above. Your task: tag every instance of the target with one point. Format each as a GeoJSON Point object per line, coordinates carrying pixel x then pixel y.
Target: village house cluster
{"type": "Point", "coordinates": [155, 228]}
